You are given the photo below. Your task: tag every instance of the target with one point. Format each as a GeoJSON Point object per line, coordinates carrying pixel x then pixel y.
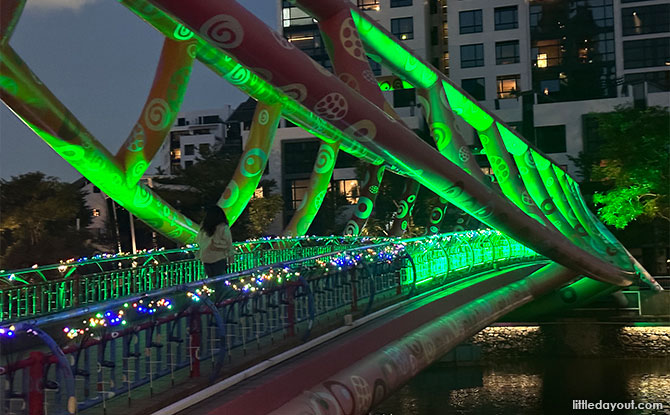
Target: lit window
{"type": "Point", "coordinates": [403, 28]}
{"type": "Point", "coordinates": [96, 212]}
{"type": "Point", "coordinates": [369, 5]}
{"type": "Point", "coordinates": [541, 60]}
{"type": "Point", "coordinates": [508, 86]}
{"type": "Point", "coordinates": [258, 193]}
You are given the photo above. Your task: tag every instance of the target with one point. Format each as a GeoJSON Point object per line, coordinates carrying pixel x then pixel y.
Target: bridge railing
{"type": "Point", "coordinates": [76, 283]}
{"type": "Point", "coordinates": [111, 348]}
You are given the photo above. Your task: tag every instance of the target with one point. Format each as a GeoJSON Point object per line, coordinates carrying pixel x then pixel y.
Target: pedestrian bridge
{"type": "Point", "coordinates": [94, 333]}
{"type": "Point", "coordinates": [87, 335]}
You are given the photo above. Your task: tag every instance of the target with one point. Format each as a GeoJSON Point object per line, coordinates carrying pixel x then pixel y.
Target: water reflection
{"type": "Point", "coordinates": [533, 387]}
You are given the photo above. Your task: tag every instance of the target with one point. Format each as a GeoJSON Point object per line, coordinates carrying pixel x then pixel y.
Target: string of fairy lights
{"type": "Point", "coordinates": [253, 283]}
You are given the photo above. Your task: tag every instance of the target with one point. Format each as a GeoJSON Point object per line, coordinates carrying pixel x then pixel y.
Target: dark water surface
{"type": "Point", "coordinates": [533, 387]}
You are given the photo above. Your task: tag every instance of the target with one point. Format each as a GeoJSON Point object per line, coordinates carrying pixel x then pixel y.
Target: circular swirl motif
{"type": "Point", "coordinates": [441, 134]}
{"type": "Point", "coordinates": [325, 160]}
{"type": "Point", "coordinates": [525, 197]}
{"type": "Point", "coordinates": [142, 197]}
{"type": "Point", "coordinates": [224, 30]}
{"type": "Point", "coordinates": [411, 63]}
{"type": "Point", "coordinates": [363, 130]}
{"type": "Point", "coordinates": [455, 190]}
{"type": "Point", "coordinates": [138, 170]}
{"type": "Point", "coordinates": [529, 160]}
{"type": "Point", "coordinates": [403, 209]}
{"type": "Point", "coordinates": [297, 92]}
{"type": "Point", "coordinates": [239, 75]}
{"type": "Point", "coordinates": [548, 206]}
{"type": "Point", "coordinates": [434, 229]}
{"type": "Point", "coordinates": [411, 198]}
{"type": "Point", "coordinates": [157, 115]}
{"type": "Point", "coordinates": [137, 137]}
{"type": "Point", "coordinates": [70, 152]}
{"type": "Point", "coordinates": [364, 208]}
{"type": "Point", "coordinates": [253, 162]}
{"type": "Point", "coordinates": [403, 225]}
{"type": "Point", "coordinates": [523, 170]}
{"type": "Point", "coordinates": [568, 295]}
{"type": "Point", "coordinates": [332, 107]}
{"type": "Point", "coordinates": [192, 50]}
{"type": "Point", "coordinates": [351, 228]}
{"type": "Point", "coordinates": [350, 40]}
{"type": "Point", "coordinates": [580, 230]}
{"type": "Point", "coordinates": [345, 398]}
{"type": "Point", "coordinates": [464, 154]}
{"type": "Point", "coordinates": [263, 117]}
{"type": "Point", "coordinates": [550, 181]}
{"type": "Point", "coordinates": [374, 189]}
{"type": "Point", "coordinates": [181, 32]}
{"type": "Point", "coordinates": [230, 195]}
{"type": "Point", "coordinates": [436, 215]}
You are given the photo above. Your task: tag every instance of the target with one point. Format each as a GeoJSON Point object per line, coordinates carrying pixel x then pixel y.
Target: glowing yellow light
{"type": "Point", "coordinates": [542, 60]}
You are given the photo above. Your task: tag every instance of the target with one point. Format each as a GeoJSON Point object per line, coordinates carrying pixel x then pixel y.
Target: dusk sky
{"type": "Point", "coordinates": [99, 59]}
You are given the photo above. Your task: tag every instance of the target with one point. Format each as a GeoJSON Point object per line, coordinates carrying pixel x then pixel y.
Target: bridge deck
{"type": "Point", "coordinates": [270, 389]}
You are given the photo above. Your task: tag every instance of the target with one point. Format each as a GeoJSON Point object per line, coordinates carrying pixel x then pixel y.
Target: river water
{"type": "Point", "coordinates": [538, 386]}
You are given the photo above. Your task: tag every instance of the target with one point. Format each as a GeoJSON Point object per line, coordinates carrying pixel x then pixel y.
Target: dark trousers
{"type": "Point", "coordinates": [217, 268]}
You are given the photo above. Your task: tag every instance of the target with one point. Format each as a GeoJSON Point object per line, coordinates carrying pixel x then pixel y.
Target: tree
{"type": "Point", "coordinates": [194, 188]}
{"type": "Point", "coordinates": [39, 221]}
{"type": "Point", "coordinates": [631, 165]}
{"type": "Point", "coordinates": [263, 210]}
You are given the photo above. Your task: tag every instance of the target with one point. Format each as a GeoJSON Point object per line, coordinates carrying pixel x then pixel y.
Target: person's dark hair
{"type": "Point", "coordinates": [214, 216]}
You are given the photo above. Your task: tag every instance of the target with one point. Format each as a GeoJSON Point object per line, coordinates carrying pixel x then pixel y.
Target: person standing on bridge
{"type": "Point", "coordinates": [215, 241]}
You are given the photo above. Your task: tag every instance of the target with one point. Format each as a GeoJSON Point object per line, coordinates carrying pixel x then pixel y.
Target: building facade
{"type": "Point", "coordinates": [195, 132]}
{"type": "Point", "coordinates": [543, 66]}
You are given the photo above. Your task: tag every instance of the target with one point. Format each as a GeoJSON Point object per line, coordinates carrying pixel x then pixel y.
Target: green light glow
{"type": "Point", "coordinates": [318, 187]}
{"type": "Point", "coordinates": [479, 119]}
{"type": "Point", "coordinates": [48, 118]}
{"type": "Point", "coordinates": [252, 164]}
{"type": "Point", "coordinates": [513, 144]}
{"type": "Point", "coordinates": [227, 67]}
{"type": "Point", "coordinates": [389, 50]}
{"type": "Point", "coordinates": [386, 85]}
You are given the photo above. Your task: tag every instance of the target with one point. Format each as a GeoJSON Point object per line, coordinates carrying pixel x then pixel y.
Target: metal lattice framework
{"type": "Point", "coordinates": [534, 201]}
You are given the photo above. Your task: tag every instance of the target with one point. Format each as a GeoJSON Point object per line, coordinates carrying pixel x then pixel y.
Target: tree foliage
{"type": "Point", "coordinates": [631, 165]}
{"type": "Point", "coordinates": [38, 221]}
{"type": "Point", "coordinates": [194, 188]}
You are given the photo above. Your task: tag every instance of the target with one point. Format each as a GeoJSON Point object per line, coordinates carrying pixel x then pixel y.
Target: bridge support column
{"type": "Point", "coordinates": [36, 386]}
{"type": "Point", "coordinates": [195, 331]}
